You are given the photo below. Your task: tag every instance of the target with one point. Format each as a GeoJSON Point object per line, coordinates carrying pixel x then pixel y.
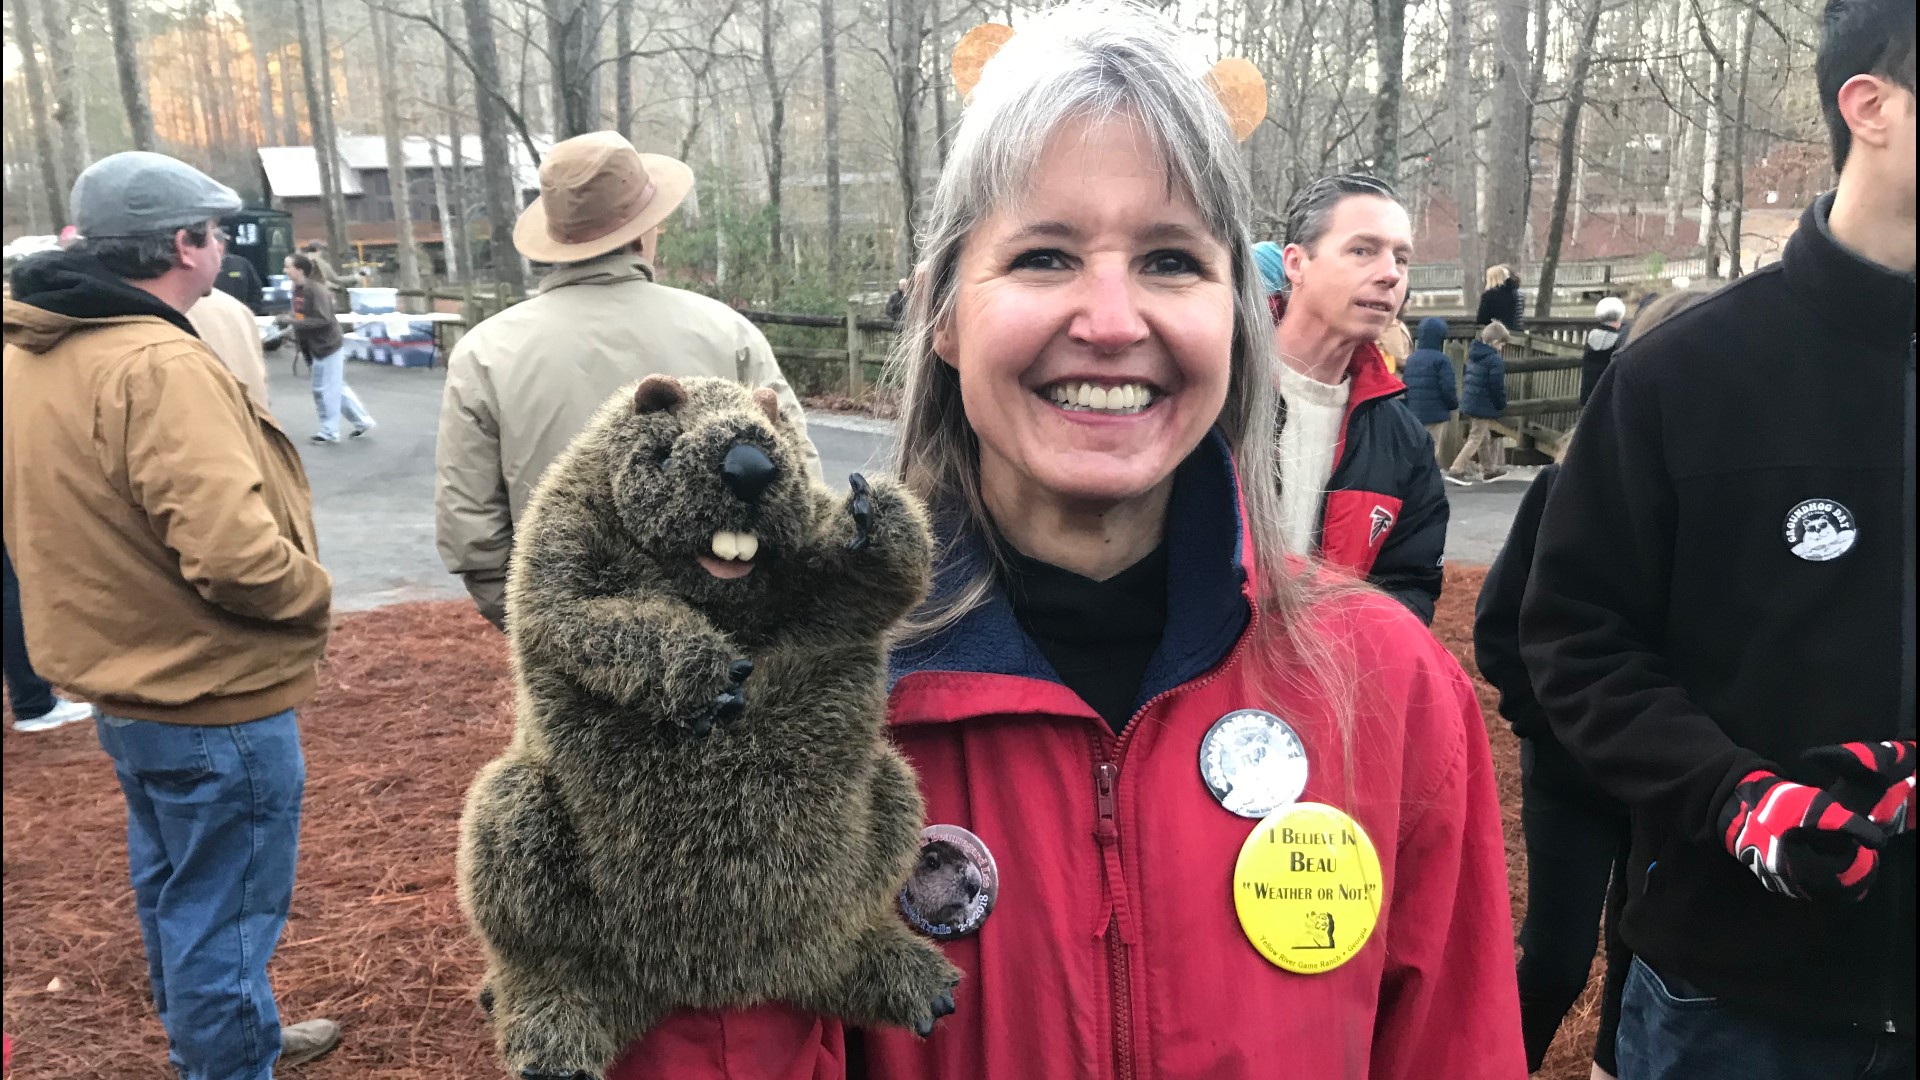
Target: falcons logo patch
{"type": "Point", "coordinates": [1382, 519]}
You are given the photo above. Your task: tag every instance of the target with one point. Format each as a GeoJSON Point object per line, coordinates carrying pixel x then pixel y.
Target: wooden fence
{"type": "Point", "coordinates": [848, 352]}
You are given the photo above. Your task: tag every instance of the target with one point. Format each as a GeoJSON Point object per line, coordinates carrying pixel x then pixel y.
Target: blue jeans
{"type": "Point", "coordinates": [213, 821]}
{"type": "Point", "coordinates": [332, 395]}
{"type": "Point", "coordinates": [27, 692]}
{"type": "Point", "coordinates": [1672, 1030]}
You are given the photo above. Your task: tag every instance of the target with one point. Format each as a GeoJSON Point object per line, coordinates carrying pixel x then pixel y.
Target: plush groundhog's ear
{"type": "Point", "coordinates": [658, 392]}
{"type": "Point", "coordinates": [769, 403]}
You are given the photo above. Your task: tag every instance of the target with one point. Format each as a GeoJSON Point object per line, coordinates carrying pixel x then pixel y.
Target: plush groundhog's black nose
{"type": "Point", "coordinates": [747, 470]}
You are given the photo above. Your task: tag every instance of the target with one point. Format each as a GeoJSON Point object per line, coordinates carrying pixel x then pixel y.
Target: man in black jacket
{"type": "Point", "coordinates": [239, 280]}
{"type": "Point", "coordinates": [1360, 486]}
{"type": "Point", "coordinates": [1720, 623]}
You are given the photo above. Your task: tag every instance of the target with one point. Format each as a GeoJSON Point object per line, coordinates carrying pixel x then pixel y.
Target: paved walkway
{"type": "Point", "coordinates": [373, 496]}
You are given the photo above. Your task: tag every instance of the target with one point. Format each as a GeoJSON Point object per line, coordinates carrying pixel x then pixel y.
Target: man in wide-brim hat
{"type": "Point", "coordinates": [523, 383]}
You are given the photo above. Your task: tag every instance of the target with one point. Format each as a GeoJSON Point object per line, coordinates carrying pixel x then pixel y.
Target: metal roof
{"type": "Point", "coordinates": [293, 171]}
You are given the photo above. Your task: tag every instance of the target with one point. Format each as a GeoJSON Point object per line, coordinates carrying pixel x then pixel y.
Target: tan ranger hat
{"type": "Point", "coordinates": [598, 194]}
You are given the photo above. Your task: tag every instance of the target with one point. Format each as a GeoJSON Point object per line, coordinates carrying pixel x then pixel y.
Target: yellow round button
{"type": "Point", "coordinates": [1307, 887]}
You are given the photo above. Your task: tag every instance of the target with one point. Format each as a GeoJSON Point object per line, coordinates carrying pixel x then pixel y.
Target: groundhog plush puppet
{"type": "Point", "coordinates": [698, 807]}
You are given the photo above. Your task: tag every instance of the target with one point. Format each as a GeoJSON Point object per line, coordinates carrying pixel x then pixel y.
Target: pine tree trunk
{"type": "Point", "coordinates": [290, 111]}
{"type": "Point", "coordinates": [904, 33]}
{"type": "Point", "coordinates": [1507, 143]}
{"type": "Point", "coordinates": [53, 186]}
{"type": "Point", "coordinates": [319, 119]}
{"type": "Point", "coordinates": [1460, 104]}
{"type": "Point", "coordinates": [1569, 140]}
{"type": "Point", "coordinates": [69, 104]}
{"type": "Point", "coordinates": [133, 84]}
{"type": "Point", "coordinates": [776, 130]}
{"type": "Point", "coordinates": [449, 252]}
{"type": "Point", "coordinates": [1389, 31]}
{"type": "Point", "coordinates": [399, 185]}
{"type": "Point", "coordinates": [262, 70]}
{"type": "Point", "coordinates": [330, 164]}
{"type": "Point", "coordinates": [830, 87]}
{"type": "Point", "coordinates": [459, 239]}
{"type": "Point", "coordinates": [623, 68]}
{"type": "Point", "coordinates": [503, 195]}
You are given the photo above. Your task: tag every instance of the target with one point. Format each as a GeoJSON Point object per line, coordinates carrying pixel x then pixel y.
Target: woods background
{"type": "Point", "coordinates": [1519, 131]}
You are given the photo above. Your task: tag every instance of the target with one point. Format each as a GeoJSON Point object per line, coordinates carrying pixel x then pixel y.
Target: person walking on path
{"type": "Point", "coordinates": [1359, 487]}
{"type": "Point", "coordinates": [1576, 834]}
{"type": "Point", "coordinates": [1432, 395]}
{"type": "Point", "coordinates": [1601, 341]}
{"type": "Point", "coordinates": [230, 331]}
{"type": "Point", "coordinates": [524, 382]}
{"type": "Point", "coordinates": [1501, 301]}
{"type": "Point", "coordinates": [317, 330]}
{"type": "Point", "coordinates": [163, 525]}
{"type": "Point", "coordinates": [1113, 587]}
{"type": "Point", "coordinates": [1720, 623]}
{"type": "Point", "coordinates": [1483, 399]}
{"type": "Point", "coordinates": [35, 706]}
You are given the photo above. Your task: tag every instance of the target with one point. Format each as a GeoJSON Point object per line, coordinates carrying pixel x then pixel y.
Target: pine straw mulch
{"type": "Point", "coordinates": [414, 699]}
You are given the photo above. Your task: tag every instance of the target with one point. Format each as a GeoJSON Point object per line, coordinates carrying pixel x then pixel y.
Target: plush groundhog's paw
{"type": "Point", "coordinates": [534, 1073]}
{"type": "Point", "coordinates": [486, 1000]}
{"type": "Point", "coordinates": [860, 508]}
{"type": "Point", "coordinates": [729, 703]}
{"type": "Point", "coordinates": [919, 984]}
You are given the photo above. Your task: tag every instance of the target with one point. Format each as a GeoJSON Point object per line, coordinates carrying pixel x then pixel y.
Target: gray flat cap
{"type": "Point", "coordinates": [137, 192]}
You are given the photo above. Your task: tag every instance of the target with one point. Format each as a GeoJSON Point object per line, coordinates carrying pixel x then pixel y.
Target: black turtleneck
{"type": "Point", "coordinates": [1098, 635]}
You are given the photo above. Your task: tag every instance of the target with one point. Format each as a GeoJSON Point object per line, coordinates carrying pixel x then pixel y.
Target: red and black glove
{"type": "Point", "coordinates": [1871, 778]}
{"type": "Point", "coordinates": [1799, 840]}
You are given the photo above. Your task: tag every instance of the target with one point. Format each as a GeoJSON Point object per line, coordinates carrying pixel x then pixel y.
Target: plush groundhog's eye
{"type": "Point", "coordinates": [663, 457]}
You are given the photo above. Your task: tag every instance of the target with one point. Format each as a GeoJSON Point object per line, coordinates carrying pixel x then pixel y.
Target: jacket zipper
{"type": "Point", "coordinates": [1106, 778]}
{"type": "Point", "coordinates": [1118, 929]}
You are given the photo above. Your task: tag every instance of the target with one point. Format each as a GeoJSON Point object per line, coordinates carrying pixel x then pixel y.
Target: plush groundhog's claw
{"type": "Point", "coordinates": [939, 1008]}
{"type": "Point", "coordinates": [861, 507]}
{"type": "Point", "coordinates": [533, 1073]}
{"type": "Point", "coordinates": [728, 704]}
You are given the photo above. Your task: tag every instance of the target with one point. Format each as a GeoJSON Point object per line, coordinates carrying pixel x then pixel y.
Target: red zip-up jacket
{"type": "Point", "coordinates": [1113, 950]}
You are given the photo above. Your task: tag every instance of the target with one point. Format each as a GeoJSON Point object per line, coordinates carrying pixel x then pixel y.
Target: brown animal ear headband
{"type": "Point", "coordinates": [1235, 82]}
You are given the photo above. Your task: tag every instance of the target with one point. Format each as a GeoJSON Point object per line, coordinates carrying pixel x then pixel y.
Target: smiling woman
{"type": "Point", "coordinates": [1120, 670]}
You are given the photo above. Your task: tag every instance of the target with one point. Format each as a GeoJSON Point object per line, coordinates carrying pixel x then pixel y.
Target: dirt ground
{"type": "Point", "coordinates": [415, 698]}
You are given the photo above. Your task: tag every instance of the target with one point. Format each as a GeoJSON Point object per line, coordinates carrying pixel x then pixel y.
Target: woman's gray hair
{"type": "Point", "coordinates": [1093, 62]}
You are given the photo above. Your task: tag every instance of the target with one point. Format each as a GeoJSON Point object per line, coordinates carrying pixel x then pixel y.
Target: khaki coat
{"type": "Point", "coordinates": [523, 383]}
{"type": "Point", "coordinates": [160, 522]}
{"type": "Point", "coordinates": [229, 329]}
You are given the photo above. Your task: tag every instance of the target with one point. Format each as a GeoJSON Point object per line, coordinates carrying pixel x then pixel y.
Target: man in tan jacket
{"type": "Point", "coordinates": [523, 383]}
{"type": "Point", "coordinates": [166, 529]}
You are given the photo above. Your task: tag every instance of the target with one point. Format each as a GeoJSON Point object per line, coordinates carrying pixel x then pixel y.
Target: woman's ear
{"type": "Point", "coordinates": [943, 343]}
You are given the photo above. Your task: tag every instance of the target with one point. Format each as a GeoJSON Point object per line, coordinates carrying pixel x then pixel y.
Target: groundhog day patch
{"type": "Point", "coordinates": [1307, 888]}
{"type": "Point", "coordinates": [1820, 529]}
{"type": "Point", "coordinates": [953, 885]}
{"type": "Point", "coordinates": [1253, 763]}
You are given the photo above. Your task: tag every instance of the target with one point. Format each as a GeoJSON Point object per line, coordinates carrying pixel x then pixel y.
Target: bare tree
{"type": "Point", "coordinates": [830, 86]}
{"type": "Point", "coordinates": [55, 191]}
{"type": "Point", "coordinates": [1390, 35]}
{"type": "Point", "coordinates": [399, 187]}
{"type": "Point", "coordinates": [314, 74]}
{"type": "Point", "coordinates": [623, 68]}
{"type": "Point", "coordinates": [1713, 157]}
{"type": "Point", "coordinates": [1569, 140]}
{"type": "Point", "coordinates": [1507, 144]}
{"type": "Point", "coordinates": [262, 73]}
{"type": "Point", "coordinates": [455, 239]}
{"type": "Point", "coordinates": [290, 111]}
{"type": "Point", "coordinates": [776, 125]}
{"type": "Point", "coordinates": [503, 200]}
{"type": "Point", "coordinates": [1460, 101]}
{"type": "Point", "coordinates": [1747, 21]}
{"type": "Point", "coordinates": [69, 106]}
{"type": "Point", "coordinates": [906, 28]}
{"type": "Point", "coordinates": [573, 51]}
{"type": "Point", "coordinates": [133, 85]}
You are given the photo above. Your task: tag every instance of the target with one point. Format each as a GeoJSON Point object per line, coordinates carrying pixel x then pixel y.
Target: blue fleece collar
{"type": "Point", "coordinates": [1207, 608]}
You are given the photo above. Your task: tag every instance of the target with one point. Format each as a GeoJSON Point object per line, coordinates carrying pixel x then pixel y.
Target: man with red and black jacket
{"type": "Point", "coordinates": [1720, 623]}
{"type": "Point", "coordinates": [1361, 487]}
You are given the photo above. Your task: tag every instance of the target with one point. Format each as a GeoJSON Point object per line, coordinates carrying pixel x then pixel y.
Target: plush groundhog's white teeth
{"type": "Point", "coordinates": [1086, 397]}
{"type": "Point", "coordinates": [732, 545]}
{"type": "Point", "coordinates": [748, 545]}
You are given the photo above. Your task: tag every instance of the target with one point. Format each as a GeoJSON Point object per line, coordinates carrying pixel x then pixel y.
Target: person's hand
{"type": "Point", "coordinates": [1800, 840]}
{"type": "Point", "coordinates": [1873, 778]}
{"type": "Point", "coordinates": [283, 319]}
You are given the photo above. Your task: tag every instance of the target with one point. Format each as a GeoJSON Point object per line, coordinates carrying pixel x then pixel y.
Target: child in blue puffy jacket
{"type": "Point", "coordinates": [1431, 394]}
{"type": "Point", "coordinates": [1483, 398]}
